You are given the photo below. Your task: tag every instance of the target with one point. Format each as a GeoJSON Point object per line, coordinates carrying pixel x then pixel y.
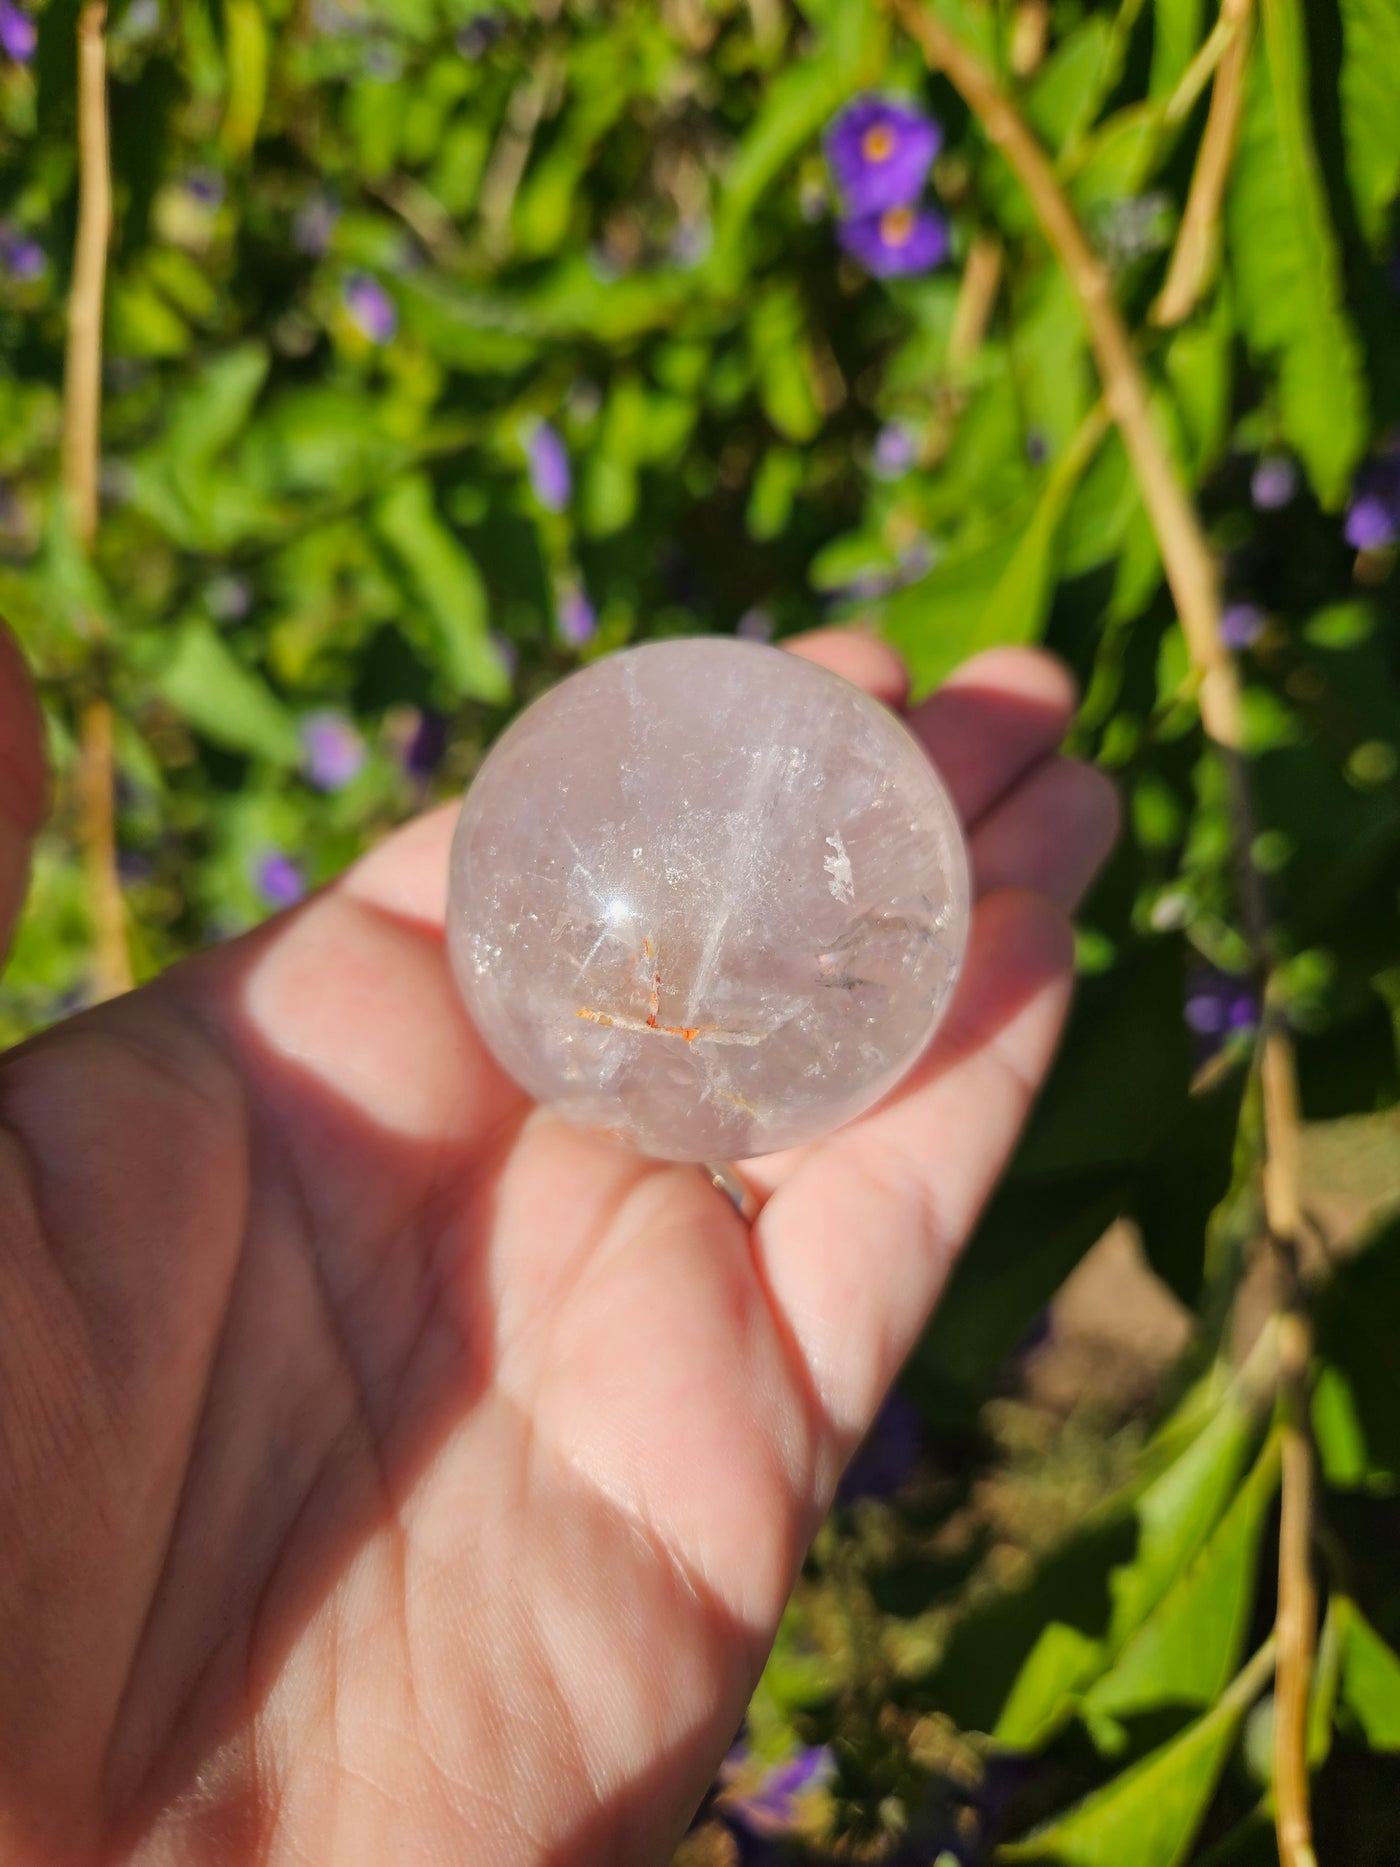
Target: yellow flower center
{"type": "Point", "coordinates": [896, 225]}
{"type": "Point", "coordinates": [877, 144]}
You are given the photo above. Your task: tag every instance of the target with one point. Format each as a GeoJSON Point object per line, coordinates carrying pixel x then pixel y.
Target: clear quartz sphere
{"type": "Point", "coordinates": [708, 898]}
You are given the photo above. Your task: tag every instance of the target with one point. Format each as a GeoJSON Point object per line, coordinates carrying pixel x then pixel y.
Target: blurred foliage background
{"type": "Point", "coordinates": [448, 346]}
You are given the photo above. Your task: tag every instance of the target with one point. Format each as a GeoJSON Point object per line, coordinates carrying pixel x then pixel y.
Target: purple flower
{"type": "Point", "coordinates": [755, 625]}
{"type": "Point", "coordinates": [1218, 1004]}
{"type": "Point", "coordinates": [371, 309]}
{"type": "Point", "coordinates": [506, 653]}
{"type": "Point", "coordinates": [917, 559]}
{"type": "Point", "coordinates": [550, 474]}
{"type": "Point", "coordinates": [478, 35]}
{"type": "Point", "coordinates": [314, 224]}
{"type": "Point", "coordinates": [887, 1455]}
{"type": "Point", "coordinates": [278, 880]}
{"type": "Point", "coordinates": [578, 620]}
{"type": "Point", "coordinates": [1373, 518]}
{"type": "Point", "coordinates": [205, 187]}
{"type": "Point", "coordinates": [21, 257]}
{"type": "Point", "coordinates": [691, 241]}
{"type": "Point", "coordinates": [1273, 482]}
{"type": "Point", "coordinates": [18, 33]}
{"type": "Point", "coordinates": [769, 1801]}
{"type": "Point", "coordinates": [901, 240]}
{"type": "Point", "coordinates": [332, 751]}
{"type": "Point", "coordinates": [880, 153]}
{"type": "Point", "coordinates": [1241, 625]}
{"type": "Point", "coordinates": [229, 597]}
{"type": "Point", "coordinates": [895, 451]}
{"type": "Point", "coordinates": [1371, 523]}
{"type": "Point", "coordinates": [425, 745]}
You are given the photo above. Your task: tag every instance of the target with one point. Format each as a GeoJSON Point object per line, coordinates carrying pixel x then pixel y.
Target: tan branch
{"type": "Point", "coordinates": [1201, 69]}
{"type": "Point", "coordinates": [977, 293]}
{"type": "Point", "coordinates": [1198, 237]}
{"type": "Point", "coordinates": [1186, 557]}
{"type": "Point", "coordinates": [1295, 1625]}
{"type": "Point", "coordinates": [82, 376]}
{"type": "Point", "coordinates": [82, 413]}
{"type": "Point", "coordinates": [1191, 575]}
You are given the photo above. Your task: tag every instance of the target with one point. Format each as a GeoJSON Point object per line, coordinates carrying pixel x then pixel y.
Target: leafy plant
{"type": "Point", "coordinates": [446, 346]}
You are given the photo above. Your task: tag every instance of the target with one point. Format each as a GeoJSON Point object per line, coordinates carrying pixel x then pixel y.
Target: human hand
{"type": "Point", "coordinates": [391, 1472]}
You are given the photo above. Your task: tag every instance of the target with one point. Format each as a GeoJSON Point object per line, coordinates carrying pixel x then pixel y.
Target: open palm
{"type": "Point", "coordinates": [389, 1472]}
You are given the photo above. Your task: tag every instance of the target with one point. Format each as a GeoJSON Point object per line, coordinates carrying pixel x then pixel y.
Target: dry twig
{"type": "Point", "coordinates": [82, 411]}
{"type": "Point", "coordinates": [1198, 237]}
{"type": "Point", "coordinates": [977, 293]}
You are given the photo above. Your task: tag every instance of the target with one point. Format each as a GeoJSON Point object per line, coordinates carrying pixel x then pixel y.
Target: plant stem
{"type": "Point", "coordinates": [1295, 1623]}
{"type": "Point", "coordinates": [1190, 568]}
{"type": "Point", "coordinates": [1197, 240]}
{"type": "Point", "coordinates": [977, 293]}
{"type": "Point", "coordinates": [82, 412]}
{"type": "Point", "coordinates": [82, 375]}
{"type": "Point", "coordinates": [1199, 72]}
{"type": "Point", "coordinates": [1191, 575]}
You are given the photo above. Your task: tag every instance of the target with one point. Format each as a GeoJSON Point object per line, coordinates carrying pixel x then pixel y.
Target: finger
{"type": "Point", "coordinates": [407, 874]}
{"type": "Point", "coordinates": [1051, 834]}
{"type": "Point", "coordinates": [992, 720]}
{"type": "Point", "coordinates": [23, 784]}
{"type": "Point", "coordinates": [859, 658]}
{"type": "Point", "coordinates": [857, 1243]}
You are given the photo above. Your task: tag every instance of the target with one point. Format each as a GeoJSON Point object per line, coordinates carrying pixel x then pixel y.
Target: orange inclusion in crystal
{"type": "Point", "coordinates": [897, 225]}
{"type": "Point", "coordinates": [877, 144]}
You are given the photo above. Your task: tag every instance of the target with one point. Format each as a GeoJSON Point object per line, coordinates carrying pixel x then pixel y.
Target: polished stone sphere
{"type": "Point", "coordinates": [708, 898]}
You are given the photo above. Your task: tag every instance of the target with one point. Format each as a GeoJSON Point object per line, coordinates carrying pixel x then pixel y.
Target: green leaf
{"type": "Point", "coordinates": [1151, 1814]}
{"type": "Point", "coordinates": [1370, 1683]}
{"type": "Point", "coordinates": [245, 44]}
{"type": "Point", "coordinates": [775, 487]}
{"type": "Point", "coordinates": [846, 560]}
{"type": "Point", "coordinates": [1103, 506]}
{"type": "Point", "coordinates": [998, 593]}
{"type": "Point", "coordinates": [933, 622]}
{"type": "Point", "coordinates": [783, 364]}
{"type": "Point", "coordinates": [1285, 263]}
{"type": "Point", "coordinates": [225, 701]}
{"type": "Point", "coordinates": [798, 105]}
{"type": "Point", "coordinates": [211, 412]}
{"type": "Point", "coordinates": [1062, 1661]}
{"type": "Point", "coordinates": [1066, 87]}
{"type": "Point", "coordinates": [1357, 1404]}
{"type": "Point", "coordinates": [1177, 1513]}
{"type": "Point", "coordinates": [1176, 33]}
{"type": "Point", "coordinates": [1019, 1662]}
{"type": "Point", "coordinates": [1370, 86]}
{"type": "Point", "coordinates": [1054, 378]}
{"type": "Point", "coordinates": [1200, 371]}
{"type": "Point", "coordinates": [1118, 159]}
{"type": "Point", "coordinates": [1187, 1649]}
{"type": "Point", "coordinates": [1327, 1679]}
{"type": "Point", "coordinates": [446, 577]}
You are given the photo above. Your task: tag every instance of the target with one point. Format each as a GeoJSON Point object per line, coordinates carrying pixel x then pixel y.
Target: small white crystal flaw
{"type": "Point", "coordinates": [707, 898]}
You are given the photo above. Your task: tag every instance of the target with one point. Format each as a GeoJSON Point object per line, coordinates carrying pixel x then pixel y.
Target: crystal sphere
{"type": "Point", "coordinates": [708, 898]}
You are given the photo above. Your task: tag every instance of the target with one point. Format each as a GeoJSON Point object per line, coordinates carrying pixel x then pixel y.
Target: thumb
{"type": "Point", "coordinates": [23, 780]}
